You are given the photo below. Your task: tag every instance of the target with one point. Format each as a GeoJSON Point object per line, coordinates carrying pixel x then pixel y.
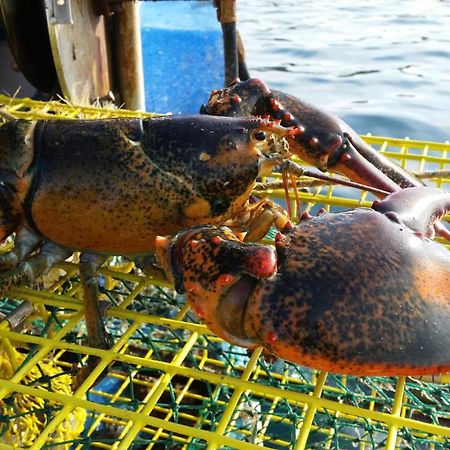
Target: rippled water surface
{"type": "Point", "coordinates": [383, 66]}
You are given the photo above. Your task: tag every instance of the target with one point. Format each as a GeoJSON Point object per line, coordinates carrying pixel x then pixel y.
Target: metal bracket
{"type": "Point", "coordinates": [62, 12]}
{"type": "Point", "coordinates": [107, 7]}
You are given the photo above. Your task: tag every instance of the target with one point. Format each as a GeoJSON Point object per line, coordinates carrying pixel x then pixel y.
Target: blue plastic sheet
{"type": "Point", "coordinates": [182, 54]}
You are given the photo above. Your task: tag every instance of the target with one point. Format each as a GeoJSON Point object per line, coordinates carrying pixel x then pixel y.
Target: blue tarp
{"type": "Point", "coordinates": [182, 54]}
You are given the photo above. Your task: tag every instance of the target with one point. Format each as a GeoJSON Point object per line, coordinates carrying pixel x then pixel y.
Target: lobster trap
{"type": "Point", "coordinates": [168, 383]}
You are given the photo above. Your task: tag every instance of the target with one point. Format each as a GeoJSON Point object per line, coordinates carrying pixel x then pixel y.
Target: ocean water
{"type": "Point", "coordinates": [383, 66]}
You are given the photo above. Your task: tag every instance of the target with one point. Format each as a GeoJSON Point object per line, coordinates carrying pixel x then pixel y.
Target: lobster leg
{"type": "Point", "coordinates": [260, 217]}
{"type": "Point", "coordinates": [149, 265]}
{"type": "Point", "coordinates": [89, 265]}
{"type": "Point", "coordinates": [26, 241]}
{"type": "Point", "coordinates": [10, 211]}
{"type": "Point", "coordinates": [96, 332]}
{"type": "Point", "coordinates": [37, 265]}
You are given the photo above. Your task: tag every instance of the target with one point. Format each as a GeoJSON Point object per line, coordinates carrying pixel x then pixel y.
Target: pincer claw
{"type": "Point", "coordinates": [361, 292]}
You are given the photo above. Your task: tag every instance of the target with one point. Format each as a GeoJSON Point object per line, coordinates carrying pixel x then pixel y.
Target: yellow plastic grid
{"type": "Point", "coordinates": [172, 384]}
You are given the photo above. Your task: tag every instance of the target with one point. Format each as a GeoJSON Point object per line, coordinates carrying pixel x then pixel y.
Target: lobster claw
{"type": "Point", "coordinates": [361, 292]}
{"type": "Point", "coordinates": [345, 157]}
{"type": "Point", "coordinates": [418, 208]}
{"type": "Point", "coordinates": [360, 162]}
{"type": "Point", "coordinates": [361, 154]}
{"type": "Point", "coordinates": [317, 136]}
{"type": "Point", "coordinates": [217, 272]}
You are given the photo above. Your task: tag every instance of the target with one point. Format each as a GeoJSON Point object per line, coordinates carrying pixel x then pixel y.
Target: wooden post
{"type": "Point", "coordinates": [226, 11]}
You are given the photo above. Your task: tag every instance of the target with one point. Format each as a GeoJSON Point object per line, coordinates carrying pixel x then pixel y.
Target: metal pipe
{"type": "Point", "coordinates": [128, 56]}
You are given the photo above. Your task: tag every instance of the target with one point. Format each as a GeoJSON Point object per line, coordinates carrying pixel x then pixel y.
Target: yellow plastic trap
{"type": "Point", "coordinates": [171, 384]}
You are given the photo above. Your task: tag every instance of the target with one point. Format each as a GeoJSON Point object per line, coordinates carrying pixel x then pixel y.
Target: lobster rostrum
{"type": "Point", "coordinates": [364, 292]}
{"type": "Point", "coordinates": [109, 187]}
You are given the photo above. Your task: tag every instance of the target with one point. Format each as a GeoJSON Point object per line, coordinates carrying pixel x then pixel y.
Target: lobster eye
{"type": "Point", "coordinates": [260, 135]}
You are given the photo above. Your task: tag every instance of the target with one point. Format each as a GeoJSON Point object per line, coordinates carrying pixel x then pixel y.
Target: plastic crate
{"type": "Point", "coordinates": [172, 384]}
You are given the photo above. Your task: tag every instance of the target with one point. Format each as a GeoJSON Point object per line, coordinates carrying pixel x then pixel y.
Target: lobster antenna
{"type": "Point", "coordinates": [286, 193]}
{"type": "Point", "coordinates": [292, 168]}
